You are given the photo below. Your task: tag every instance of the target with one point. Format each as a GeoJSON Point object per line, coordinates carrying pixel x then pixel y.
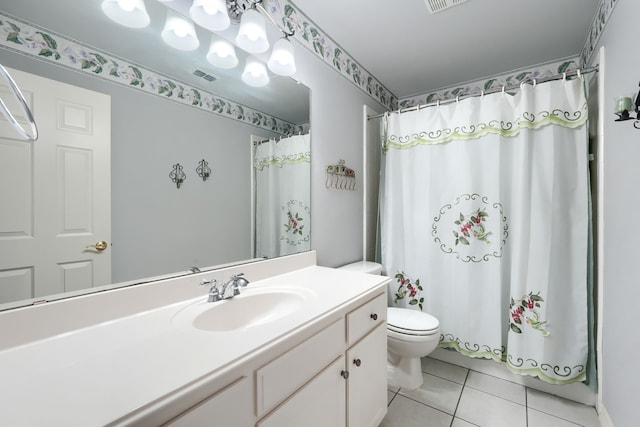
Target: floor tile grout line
{"type": "Point", "coordinates": [455, 411]}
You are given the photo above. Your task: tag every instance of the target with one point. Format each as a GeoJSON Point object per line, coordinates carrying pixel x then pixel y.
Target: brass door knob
{"type": "Point", "coordinates": [99, 246]}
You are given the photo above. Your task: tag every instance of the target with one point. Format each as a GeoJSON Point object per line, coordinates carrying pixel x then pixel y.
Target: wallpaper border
{"type": "Point", "coordinates": [25, 38]}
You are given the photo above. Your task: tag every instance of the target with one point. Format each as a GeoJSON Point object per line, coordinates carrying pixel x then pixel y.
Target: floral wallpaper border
{"type": "Point", "coordinates": [313, 38]}
{"type": "Point", "coordinates": [306, 33]}
{"type": "Point", "coordinates": [599, 22]}
{"type": "Point", "coordinates": [26, 38]}
{"type": "Point", "coordinates": [507, 79]}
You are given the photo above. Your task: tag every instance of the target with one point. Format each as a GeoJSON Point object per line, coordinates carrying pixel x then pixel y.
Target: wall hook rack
{"type": "Point", "coordinates": [341, 177]}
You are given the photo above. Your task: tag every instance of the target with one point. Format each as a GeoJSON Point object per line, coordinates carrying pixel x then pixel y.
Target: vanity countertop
{"type": "Point", "coordinates": [101, 373]}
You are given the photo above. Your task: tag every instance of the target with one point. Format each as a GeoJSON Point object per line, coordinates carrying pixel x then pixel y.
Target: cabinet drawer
{"type": "Point", "coordinates": [364, 318]}
{"type": "Point", "coordinates": [284, 375]}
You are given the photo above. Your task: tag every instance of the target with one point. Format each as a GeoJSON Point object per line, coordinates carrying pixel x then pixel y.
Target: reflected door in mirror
{"type": "Point", "coordinates": [55, 192]}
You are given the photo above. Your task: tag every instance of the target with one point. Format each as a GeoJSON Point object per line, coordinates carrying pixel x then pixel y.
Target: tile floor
{"type": "Point", "coordinates": [452, 396]}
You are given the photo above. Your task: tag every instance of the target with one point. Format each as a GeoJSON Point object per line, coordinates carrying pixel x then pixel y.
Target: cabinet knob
{"type": "Point", "coordinates": [374, 316]}
{"type": "Point", "coordinates": [357, 362]}
{"type": "Point", "coordinates": [344, 374]}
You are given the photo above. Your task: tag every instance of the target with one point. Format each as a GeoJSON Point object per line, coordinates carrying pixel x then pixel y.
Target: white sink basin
{"type": "Point", "coordinates": [249, 309]}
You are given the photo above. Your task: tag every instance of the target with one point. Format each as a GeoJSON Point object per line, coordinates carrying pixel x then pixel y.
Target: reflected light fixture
{"type": "Point", "coordinates": [255, 73]}
{"type": "Point", "coordinates": [222, 54]}
{"type": "Point", "coordinates": [282, 60]}
{"type": "Point", "coordinates": [179, 32]}
{"type": "Point", "coordinates": [130, 13]}
{"type": "Point", "coordinates": [252, 35]}
{"type": "Point", "coordinates": [210, 14]}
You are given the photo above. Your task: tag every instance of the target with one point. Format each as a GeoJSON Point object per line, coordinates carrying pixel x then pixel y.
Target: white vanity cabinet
{"type": "Point", "coordinates": [366, 360]}
{"type": "Point", "coordinates": [332, 379]}
{"type": "Point", "coordinates": [231, 406]}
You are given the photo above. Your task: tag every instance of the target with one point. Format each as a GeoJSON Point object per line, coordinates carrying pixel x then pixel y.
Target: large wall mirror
{"type": "Point", "coordinates": [156, 228]}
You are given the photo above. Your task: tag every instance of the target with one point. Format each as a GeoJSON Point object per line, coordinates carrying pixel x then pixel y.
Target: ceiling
{"type": "Point", "coordinates": [412, 52]}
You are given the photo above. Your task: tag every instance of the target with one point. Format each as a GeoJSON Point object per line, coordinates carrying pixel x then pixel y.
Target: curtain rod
{"type": "Point", "coordinates": [577, 72]}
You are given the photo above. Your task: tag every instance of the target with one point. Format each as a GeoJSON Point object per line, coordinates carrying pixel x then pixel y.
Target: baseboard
{"type": "Point", "coordinates": [604, 418]}
{"type": "Point", "coordinates": [577, 392]}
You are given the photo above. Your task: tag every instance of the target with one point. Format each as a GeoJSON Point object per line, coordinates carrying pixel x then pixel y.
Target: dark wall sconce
{"type": "Point", "coordinates": [625, 106]}
{"type": "Point", "coordinates": [203, 170]}
{"type": "Point", "coordinates": [177, 175]}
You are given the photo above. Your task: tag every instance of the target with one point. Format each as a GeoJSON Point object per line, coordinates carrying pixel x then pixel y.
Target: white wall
{"type": "Point", "coordinates": [621, 287]}
{"type": "Point", "coordinates": [336, 133]}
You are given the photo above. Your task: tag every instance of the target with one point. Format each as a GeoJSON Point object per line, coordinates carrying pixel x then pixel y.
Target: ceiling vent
{"type": "Point", "coordinates": [436, 6]}
{"type": "Point", "coordinates": [202, 74]}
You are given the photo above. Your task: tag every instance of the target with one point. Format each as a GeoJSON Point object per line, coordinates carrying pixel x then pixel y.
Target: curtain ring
{"type": "Point", "coordinates": [482, 94]}
{"type": "Point", "coordinates": [457, 99]}
{"type": "Point", "coordinates": [534, 82]}
{"type": "Point", "coordinates": [564, 76]}
{"type": "Point", "coordinates": [503, 88]}
{"type": "Point", "coordinates": [579, 73]}
{"type": "Point", "coordinates": [437, 103]}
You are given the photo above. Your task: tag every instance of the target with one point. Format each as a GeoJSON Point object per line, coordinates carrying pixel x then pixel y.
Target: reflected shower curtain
{"type": "Point", "coordinates": [484, 224]}
{"type": "Point", "coordinates": [282, 197]}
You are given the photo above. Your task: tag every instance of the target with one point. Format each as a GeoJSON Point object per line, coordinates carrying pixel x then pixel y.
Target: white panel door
{"type": "Point", "coordinates": [55, 192]}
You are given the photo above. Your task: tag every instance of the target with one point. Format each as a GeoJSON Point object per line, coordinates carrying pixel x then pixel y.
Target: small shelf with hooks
{"type": "Point", "coordinates": [341, 177]}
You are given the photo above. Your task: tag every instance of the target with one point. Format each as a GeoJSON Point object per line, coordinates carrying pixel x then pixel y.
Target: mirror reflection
{"type": "Point", "coordinates": [152, 227]}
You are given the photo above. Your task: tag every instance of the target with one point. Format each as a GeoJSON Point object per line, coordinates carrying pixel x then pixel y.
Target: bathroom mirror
{"type": "Point", "coordinates": [158, 229]}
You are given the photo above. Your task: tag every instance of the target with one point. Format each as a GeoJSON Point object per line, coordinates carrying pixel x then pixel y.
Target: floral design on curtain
{"type": "Point", "coordinates": [486, 201]}
{"type": "Point", "coordinates": [461, 231]}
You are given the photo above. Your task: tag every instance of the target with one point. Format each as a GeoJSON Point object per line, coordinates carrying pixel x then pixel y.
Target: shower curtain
{"type": "Point", "coordinates": [282, 198]}
{"type": "Point", "coordinates": [484, 224]}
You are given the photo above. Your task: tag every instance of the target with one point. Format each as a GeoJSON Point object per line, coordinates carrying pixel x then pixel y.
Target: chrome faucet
{"type": "Point", "coordinates": [235, 282]}
{"type": "Point", "coordinates": [233, 285]}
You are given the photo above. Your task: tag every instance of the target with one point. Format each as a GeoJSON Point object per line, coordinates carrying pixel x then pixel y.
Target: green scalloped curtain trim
{"type": "Point", "coordinates": [495, 355]}
{"type": "Point", "coordinates": [537, 372]}
{"type": "Point", "coordinates": [507, 129]}
{"type": "Point", "coordinates": [282, 160]}
{"type": "Point", "coordinates": [500, 356]}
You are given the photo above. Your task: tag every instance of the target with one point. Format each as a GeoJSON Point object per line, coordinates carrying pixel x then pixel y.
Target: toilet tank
{"type": "Point", "coordinates": [364, 267]}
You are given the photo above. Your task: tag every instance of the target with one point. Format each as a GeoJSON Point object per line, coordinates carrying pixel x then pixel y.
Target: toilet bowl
{"type": "Point", "coordinates": [411, 335]}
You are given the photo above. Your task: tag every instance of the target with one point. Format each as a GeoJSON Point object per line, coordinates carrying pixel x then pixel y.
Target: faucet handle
{"type": "Point", "coordinates": [239, 280]}
{"type": "Point", "coordinates": [214, 293]}
{"type": "Point", "coordinates": [206, 282]}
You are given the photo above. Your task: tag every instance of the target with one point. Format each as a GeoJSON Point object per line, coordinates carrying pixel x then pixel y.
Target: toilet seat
{"type": "Point", "coordinates": [411, 322]}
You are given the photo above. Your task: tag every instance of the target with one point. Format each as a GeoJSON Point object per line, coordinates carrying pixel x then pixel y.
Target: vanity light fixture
{"type": "Point", "coordinates": [252, 35]}
{"type": "Point", "coordinates": [255, 73]}
{"type": "Point", "coordinates": [221, 53]}
{"type": "Point", "coordinates": [130, 13]}
{"type": "Point", "coordinates": [179, 32]}
{"type": "Point", "coordinates": [624, 106]}
{"type": "Point", "coordinates": [177, 175]}
{"type": "Point", "coordinates": [210, 14]}
{"type": "Point", "coordinates": [203, 170]}
{"type": "Point", "coordinates": [282, 61]}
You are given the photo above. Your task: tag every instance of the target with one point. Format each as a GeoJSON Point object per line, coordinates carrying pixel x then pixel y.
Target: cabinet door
{"type": "Point", "coordinates": [367, 383]}
{"type": "Point", "coordinates": [231, 406]}
{"type": "Point", "coordinates": [320, 403]}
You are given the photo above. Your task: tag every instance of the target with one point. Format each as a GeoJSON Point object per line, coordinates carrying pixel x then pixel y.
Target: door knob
{"type": "Point", "coordinates": [99, 246]}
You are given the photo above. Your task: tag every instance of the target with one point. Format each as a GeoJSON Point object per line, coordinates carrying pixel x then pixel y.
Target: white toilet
{"type": "Point", "coordinates": [411, 335]}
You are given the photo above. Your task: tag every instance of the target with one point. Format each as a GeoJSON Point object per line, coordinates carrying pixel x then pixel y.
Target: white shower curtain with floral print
{"type": "Point", "coordinates": [282, 198]}
{"type": "Point", "coordinates": [484, 224]}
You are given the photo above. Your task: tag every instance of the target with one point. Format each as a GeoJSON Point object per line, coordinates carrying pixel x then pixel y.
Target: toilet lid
{"type": "Point", "coordinates": [410, 321]}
